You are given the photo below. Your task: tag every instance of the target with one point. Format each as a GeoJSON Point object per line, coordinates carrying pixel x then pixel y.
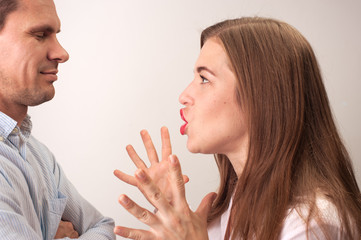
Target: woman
{"type": "Point", "coordinates": [258, 103]}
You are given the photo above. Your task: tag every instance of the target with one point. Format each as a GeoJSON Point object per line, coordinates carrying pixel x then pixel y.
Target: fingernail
{"type": "Point", "coordinates": [123, 199]}
{"type": "Point", "coordinates": [117, 231]}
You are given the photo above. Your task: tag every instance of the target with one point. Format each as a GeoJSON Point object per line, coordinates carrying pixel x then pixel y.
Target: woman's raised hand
{"type": "Point", "coordinates": [172, 221]}
{"type": "Point", "coordinates": [158, 170]}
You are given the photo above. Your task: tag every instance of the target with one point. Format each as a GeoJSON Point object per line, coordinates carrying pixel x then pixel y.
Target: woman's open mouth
{"type": "Point", "coordinates": [183, 127]}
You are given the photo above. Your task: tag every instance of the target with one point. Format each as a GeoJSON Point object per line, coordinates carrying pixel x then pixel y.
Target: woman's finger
{"type": "Point", "coordinates": [177, 183]}
{"type": "Point", "coordinates": [140, 213]}
{"type": "Point", "coordinates": [166, 145]}
{"type": "Point", "coordinates": [125, 177]}
{"type": "Point", "coordinates": [131, 233]}
{"type": "Point", "coordinates": [152, 192]}
{"type": "Point", "coordinates": [149, 147]}
{"type": "Point", "coordinates": [135, 158]}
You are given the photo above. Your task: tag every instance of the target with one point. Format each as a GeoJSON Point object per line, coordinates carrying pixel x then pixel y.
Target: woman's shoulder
{"type": "Point", "coordinates": [325, 225]}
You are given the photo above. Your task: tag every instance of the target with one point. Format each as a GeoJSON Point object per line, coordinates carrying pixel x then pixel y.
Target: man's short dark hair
{"type": "Point", "coordinates": [6, 7]}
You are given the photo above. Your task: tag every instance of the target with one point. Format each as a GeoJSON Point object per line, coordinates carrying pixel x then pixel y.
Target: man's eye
{"type": "Point", "coordinates": [40, 35]}
{"type": "Point", "coordinates": [204, 80]}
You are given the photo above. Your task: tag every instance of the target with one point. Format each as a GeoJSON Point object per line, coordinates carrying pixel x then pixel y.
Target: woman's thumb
{"type": "Point", "coordinates": [206, 204]}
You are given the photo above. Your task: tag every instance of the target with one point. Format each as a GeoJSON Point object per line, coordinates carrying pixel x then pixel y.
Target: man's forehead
{"type": "Point", "coordinates": [40, 13]}
{"type": "Point", "coordinates": [37, 5]}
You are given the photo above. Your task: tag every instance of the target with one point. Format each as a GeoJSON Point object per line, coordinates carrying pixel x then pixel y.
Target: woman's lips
{"type": "Point", "coordinates": [183, 127]}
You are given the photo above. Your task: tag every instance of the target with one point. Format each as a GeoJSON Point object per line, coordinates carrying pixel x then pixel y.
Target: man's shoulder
{"type": "Point", "coordinates": [35, 145]}
{"type": "Point", "coordinates": [8, 172]}
{"type": "Point", "coordinates": [37, 155]}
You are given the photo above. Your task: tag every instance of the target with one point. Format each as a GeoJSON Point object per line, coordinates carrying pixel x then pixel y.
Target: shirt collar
{"type": "Point", "coordinates": [7, 126]}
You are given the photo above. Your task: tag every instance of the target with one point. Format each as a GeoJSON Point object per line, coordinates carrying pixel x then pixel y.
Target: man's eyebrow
{"type": "Point", "coordinates": [44, 28]}
{"type": "Point", "coordinates": [204, 68]}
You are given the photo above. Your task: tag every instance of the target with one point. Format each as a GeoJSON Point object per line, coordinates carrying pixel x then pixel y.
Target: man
{"type": "Point", "coordinates": [36, 199]}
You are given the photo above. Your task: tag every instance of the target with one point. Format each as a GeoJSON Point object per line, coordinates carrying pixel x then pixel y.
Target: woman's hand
{"type": "Point", "coordinates": [172, 221]}
{"type": "Point", "coordinates": [158, 170]}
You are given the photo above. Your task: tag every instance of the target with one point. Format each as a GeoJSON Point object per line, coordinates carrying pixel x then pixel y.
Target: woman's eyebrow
{"type": "Point", "coordinates": [204, 68]}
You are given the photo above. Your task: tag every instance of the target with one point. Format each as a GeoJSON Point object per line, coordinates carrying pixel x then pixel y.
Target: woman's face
{"type": "Point", "coordinates": [214, 121]}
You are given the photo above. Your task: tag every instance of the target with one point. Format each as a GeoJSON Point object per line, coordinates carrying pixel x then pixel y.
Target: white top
{"type": "Point", "coordinates": [294, 225]}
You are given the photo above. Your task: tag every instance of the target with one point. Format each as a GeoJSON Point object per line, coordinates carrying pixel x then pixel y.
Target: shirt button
{"type": "Point", "coordinates": [16, 130]}
{"type": "Point", "coordinates": [1, 139]}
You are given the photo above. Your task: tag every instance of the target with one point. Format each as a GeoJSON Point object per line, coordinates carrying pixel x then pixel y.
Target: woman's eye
{"type": "Point", "coordinates": [204, 80]}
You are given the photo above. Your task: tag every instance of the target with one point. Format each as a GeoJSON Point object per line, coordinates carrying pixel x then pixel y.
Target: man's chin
{"type": "Point", "coordinates": [37, 101]}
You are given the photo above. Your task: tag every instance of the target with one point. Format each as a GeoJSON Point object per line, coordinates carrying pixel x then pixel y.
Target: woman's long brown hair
{"type": "Point", "coordinates": [295, 151]}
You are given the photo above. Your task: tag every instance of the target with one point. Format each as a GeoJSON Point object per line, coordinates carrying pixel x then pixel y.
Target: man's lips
{"type": "Point", "coordinates": [55, 71]}
{"type": "Point", "coordinates": [51, 74]}
{"type": "Point", "coordinates": [183, 127]}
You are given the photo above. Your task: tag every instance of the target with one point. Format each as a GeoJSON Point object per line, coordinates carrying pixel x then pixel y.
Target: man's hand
{"type": "Point", "coordinates": [66, 229]}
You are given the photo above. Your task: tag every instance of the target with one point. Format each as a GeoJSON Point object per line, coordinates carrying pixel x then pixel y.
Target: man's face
{"type": "Point", "coordinates": [29, 54]}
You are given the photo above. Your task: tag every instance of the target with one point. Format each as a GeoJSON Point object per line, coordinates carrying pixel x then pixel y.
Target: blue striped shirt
{"type": "Point", "coordinates": [35, 194]}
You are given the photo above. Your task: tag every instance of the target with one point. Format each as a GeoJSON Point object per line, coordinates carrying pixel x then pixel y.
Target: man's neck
{"type": "Point", "coordinates": [18, 113]}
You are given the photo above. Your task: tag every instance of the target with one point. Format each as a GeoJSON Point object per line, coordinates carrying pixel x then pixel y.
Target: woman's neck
{"type": "Point", "coordinates": [239, 157]}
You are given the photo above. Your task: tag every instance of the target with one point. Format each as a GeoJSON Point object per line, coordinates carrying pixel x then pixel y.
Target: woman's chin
{"type": "Point", "coordinates": [193, 148]}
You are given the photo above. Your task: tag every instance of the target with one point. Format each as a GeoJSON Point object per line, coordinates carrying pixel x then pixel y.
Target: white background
{"type": "Point", "coordinates": [130, 60]}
